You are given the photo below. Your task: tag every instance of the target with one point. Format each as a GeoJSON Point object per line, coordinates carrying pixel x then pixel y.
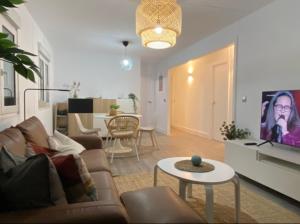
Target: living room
{"type": "Point", "coordinates": [79, 47]}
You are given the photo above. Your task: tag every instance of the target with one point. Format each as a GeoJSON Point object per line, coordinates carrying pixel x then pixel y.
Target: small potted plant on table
{"type": "Point", "coordinates": [113, 109]}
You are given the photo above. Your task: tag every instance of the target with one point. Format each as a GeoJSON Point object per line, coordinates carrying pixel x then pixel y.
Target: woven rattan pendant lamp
{"type": "Point", "coordinates": [158, 23]}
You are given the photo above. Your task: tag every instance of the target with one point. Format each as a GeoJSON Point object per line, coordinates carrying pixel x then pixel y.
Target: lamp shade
{"type": "Point", "coordinates": [158, 23]}
{"type": "Point", "coordinates": [126, 64]}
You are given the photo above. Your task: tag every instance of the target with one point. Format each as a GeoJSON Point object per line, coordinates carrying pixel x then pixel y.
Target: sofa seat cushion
{"type": "Point", "coordinates": [158, 205]}
{"type": "Point", "coordinates": [95, 160]}
{"type": "Point", "coordinates": [34, 132]}
{"type": "Point", "coordinates": [105, 186]}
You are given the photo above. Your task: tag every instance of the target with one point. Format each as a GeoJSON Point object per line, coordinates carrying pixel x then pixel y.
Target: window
{"type": "Point", "coordinates": [44, 79]}
{"type": "Point", "coordinates": [8, 77]}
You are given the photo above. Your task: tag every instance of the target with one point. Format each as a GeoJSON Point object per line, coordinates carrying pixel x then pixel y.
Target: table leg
{"type": "Point", "coordinates": [182, 189]}
{"type": "Point", "coordinates": [155, 176]}
{"type": "Point", "coordinates": [236, 181]}
{"type": "Point", "coordinates": [189, 190]}
{"type": "Point", "coordinates": [209, 204]}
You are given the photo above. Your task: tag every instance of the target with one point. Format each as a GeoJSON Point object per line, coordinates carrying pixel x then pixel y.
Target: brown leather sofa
{"type": "Point", "coordinates": [150, 205]}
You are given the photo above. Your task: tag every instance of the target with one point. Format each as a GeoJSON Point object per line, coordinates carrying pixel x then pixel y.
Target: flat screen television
{"type": "Point", "coordinates": [280, 120]}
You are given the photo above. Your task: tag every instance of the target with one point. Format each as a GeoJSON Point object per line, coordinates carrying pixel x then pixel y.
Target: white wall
{"type": "Point", "coordinates": [29, 35]}
{"type": "Point", "coordinates": [267, 57]}
{"type": "Point", "coordinates": [191, 101]}
{"type": "Point", "coordinates": [100, 74]}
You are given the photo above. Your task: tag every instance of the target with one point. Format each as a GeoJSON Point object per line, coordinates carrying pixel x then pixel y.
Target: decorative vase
{"type": "Point", "coordinates": [196, 160]}
{"type": "Point", "coordinates": [112, 112]}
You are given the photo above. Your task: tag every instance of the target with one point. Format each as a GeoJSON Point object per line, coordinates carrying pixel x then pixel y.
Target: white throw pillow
{"type": "Point", "coordinates": [64, 144]}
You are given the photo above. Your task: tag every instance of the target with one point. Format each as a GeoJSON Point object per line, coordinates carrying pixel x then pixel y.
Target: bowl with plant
{"type": "Point", "coordinates": [231, 132]}
{"type": "Point", "coordinates": [113, 109]}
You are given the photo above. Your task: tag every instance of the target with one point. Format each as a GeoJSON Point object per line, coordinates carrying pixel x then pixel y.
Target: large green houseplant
{"type": "Point", "coordinates": [10, 52]}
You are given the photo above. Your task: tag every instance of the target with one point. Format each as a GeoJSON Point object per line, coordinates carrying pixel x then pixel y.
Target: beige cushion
{"type": "Point", "coordinates": [122, 134]}
{"type": "Point", "coordinates": [64, 144]}
{"type": "Point", "coordinates": [34, 132]}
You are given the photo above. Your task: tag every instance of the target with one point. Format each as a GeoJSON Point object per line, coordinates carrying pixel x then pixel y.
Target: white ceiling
{"type": "Point", "coordinates": [100, 25]}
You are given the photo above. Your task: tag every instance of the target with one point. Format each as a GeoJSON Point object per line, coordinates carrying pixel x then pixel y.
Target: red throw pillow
{"type": "Point", "coordinates": [77, 181]}
{"type": "Point", "coordinates": [35, 150]}
{"type": "Point", "coordinates": [74, 175]}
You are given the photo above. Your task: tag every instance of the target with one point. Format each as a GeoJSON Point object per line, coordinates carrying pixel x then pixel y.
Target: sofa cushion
{"type": "Point", "coordinates": [33, 149]}
{"type": "Point", "coordinates": [105, 185]}
{"type": "Point", "coordinates": [26, 186]}
{"type": "Point", "coordinates": [34, 132]}
{"type": "Point", "coordinates": [77, 181]}
{"type": "Point", "coordinates": [95, 160]}
{"type": "Point", "coordinates": [64, 144]}
{"type": "Point", "coordinates": [8, 161]}
{"type": "Point", "coordinates": [158, 205]}
{"type": "Point", "coordinates": [14, 141]}
{"type": "Point", "coordinates": [58, 196]}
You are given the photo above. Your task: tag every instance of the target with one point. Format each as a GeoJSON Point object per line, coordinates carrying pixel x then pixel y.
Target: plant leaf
{"type": "Point", "coordinates": [36, 70]}
{"type": "Point", "coordinates": [6, 43]}
{"type": "Point", "coordinates": [17, 2]}
{"type": "Point", "coordinates": [13, 59]}
{"type": "Point", "coordinates": [21, 69]}
{"type": "Point", "coordinates": [30, 75]}
{"type": "Point", "coordinates": [7, 3]}
{"type": "Point", "coordinates": [2, 9]}
{"type": "Point", "coordinates": [3, 35]}
{"type": "Point", "coordinates": [25, 59]}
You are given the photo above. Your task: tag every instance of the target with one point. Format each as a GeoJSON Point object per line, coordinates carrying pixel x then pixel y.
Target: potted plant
{"type": "Point", "coordinates": [133, 97]}
{"type": "Point", "coordinates": [10, 52]}
{"type": "Point", "coordinates": [230, 131]}
{"type": "Point", "coordinates": [113, 109]}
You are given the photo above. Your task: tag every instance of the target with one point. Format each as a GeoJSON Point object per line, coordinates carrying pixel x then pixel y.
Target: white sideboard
{"type": "Point", "coordinates": [276, 168]}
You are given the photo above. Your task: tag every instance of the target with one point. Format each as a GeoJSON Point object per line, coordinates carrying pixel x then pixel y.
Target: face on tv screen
{"type": "Point", "coordinates": [280, 117]}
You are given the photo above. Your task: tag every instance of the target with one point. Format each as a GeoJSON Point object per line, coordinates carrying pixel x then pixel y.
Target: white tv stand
{"type": "Point", "coordinates": [269, 165]}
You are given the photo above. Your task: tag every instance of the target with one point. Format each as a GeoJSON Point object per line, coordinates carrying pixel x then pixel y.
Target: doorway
{"type": "Point", "coordinates": [201, 94]}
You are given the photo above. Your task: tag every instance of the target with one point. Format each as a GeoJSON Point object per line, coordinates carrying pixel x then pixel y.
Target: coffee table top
{"type": "Point", "coordinates": [221, 174]}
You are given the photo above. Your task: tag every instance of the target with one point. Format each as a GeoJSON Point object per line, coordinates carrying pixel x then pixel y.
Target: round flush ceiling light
{"type": "Point", "coordinates": [158, 23]}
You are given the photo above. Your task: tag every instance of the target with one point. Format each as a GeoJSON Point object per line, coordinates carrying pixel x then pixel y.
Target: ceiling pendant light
{"type": "Point", "coordinates": [158, 23]}
{"type": "Point", "coordinates": [126, 62]}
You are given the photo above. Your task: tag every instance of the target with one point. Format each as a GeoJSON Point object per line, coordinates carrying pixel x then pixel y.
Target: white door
{"type": "Point", "coordinates": [148, 97]}
{"type": "Point", "coordinates": [220, 98]}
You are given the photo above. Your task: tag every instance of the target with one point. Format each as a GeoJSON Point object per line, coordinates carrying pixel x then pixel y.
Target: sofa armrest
{"type": "Point", "coordinates": [89, 141]}
{"type": "Point", "coordinates": [86, 212]}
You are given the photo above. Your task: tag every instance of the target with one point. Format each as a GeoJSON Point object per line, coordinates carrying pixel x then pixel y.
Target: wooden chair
{"type": "Point", "coordinates": [84, 130]}
{"type": "Point", "coordinates": [123, 127]}
{"type": "Point", "coordinates": [152, 134]}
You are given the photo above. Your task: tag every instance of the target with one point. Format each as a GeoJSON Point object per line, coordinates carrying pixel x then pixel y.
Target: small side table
{"type": "Point", "coordinates": [221, 174]}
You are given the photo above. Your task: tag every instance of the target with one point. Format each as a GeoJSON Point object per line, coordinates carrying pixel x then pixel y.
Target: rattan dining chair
{"type": "Point", "coordinates": [123, 127]}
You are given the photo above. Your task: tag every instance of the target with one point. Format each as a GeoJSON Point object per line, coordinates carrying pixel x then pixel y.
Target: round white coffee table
{"type": "Point", "coordinates": [221, 174]}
